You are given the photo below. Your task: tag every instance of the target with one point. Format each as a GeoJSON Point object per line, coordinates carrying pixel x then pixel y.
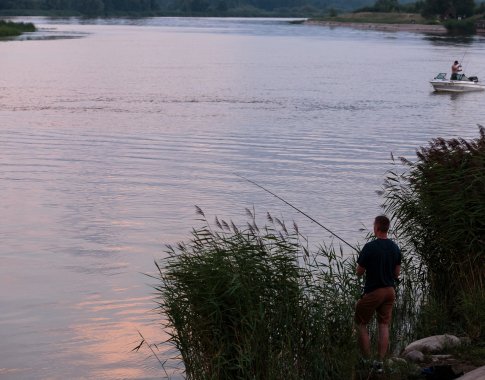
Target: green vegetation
{"type": "Point", "coordinates": [378, 18]}
{"type": "Point", "coordinates": [115, 8]}
{"type": "Point", "coordinates": [439, 205]}
{"type": "Point", "coordinates": [474, 354]}
{"type": "Point", "coordinates": [257, 303]}
{"type": "Point", "coordinates": [9, 28]}
{"type": "Point", "coordinates": [393, 6]}
{"type": "Point", "coordinates": [446, 9]}
{"type": "Point", "coordinates": [443, 9]}
{"type": "Point", "coordinates": [459, 17]}
{"type": "Point", "coordinates": [461, 27]}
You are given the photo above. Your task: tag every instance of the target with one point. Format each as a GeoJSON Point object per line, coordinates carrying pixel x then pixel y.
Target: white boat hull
{"type": "Point", "coordinates": [456, 86]}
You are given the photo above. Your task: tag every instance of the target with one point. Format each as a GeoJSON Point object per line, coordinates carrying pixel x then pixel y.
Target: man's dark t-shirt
{"type": "Point", "coordinates": [379, 258]}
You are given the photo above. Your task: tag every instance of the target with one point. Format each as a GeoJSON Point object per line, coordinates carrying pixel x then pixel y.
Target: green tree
{"type": "Point", "coordinates": [386, 5]}
{"type": "Point", "coordinates": [91, 7]}
{"type": "Point", "coordinates": [431, 8]}
{"type": "Point", "coordinates": [222, 6]}
{"type": "Point", "coordinates": [198, 6]}
{"type": "Point", "coordinates": [7, 4]}
{"type": "Point", "coordinates": [463, 8]}
{"type": "Point", "coordinates": [56, 4]}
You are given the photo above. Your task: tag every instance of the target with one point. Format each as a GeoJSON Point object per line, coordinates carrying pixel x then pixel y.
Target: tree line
{"type": "Point", "coordinates": [108, 8]}
{"type": "Point", "coordinates": [82, 7]}
{"type": "Point", "coordinates": [444, 9]}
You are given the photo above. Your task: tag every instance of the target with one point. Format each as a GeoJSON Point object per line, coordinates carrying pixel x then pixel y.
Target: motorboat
{"type": "Point", "coordinates": [462, 83]}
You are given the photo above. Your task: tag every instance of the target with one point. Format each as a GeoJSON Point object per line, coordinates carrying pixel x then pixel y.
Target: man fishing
{"type": "Point", "coordinates": [455, 69]}
{"type": "Point", "coordinates": [380, 260]}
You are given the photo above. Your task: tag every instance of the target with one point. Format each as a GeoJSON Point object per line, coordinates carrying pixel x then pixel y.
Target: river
{"type": "Point", "coordinates": [111, 131]}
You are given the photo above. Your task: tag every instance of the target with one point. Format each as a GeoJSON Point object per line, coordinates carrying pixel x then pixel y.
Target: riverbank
{"type": "Point", "coordinates": [413, 28]}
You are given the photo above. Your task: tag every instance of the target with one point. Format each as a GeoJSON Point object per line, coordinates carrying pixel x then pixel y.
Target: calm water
{"type": "Point", "coordinates": [111, 136]}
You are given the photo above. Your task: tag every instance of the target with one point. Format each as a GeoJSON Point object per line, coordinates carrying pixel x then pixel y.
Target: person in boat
{"type": "Point", "coordinates": [455, 69]}
{"type": "Point", "coordinates": [380, 260]}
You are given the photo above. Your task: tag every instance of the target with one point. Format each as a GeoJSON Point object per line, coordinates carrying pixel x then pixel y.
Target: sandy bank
{"type": "Point", "coordinates": [413, 28]}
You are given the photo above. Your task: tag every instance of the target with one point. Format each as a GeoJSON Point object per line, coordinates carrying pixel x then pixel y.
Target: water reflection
{"type": "Point", "coordinates": [454, 96]}
{"type": "Point", "coordinates": [46, 36]}
{"type": "Point", "coordinates": [112, 333]}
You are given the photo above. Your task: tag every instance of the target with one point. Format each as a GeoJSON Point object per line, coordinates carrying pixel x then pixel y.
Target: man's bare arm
{"type": "Point", "coordinates": [397, 271]}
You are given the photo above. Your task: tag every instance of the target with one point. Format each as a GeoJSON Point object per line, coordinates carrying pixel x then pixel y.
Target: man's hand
{"type": "Point", "coordinates": [360, 270]}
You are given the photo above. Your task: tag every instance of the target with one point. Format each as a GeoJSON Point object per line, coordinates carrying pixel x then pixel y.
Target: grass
{"type": "Point", "coordinates": [257, 303]}
{"type": "Point", "coordinates": [249, 304]}
{"type": "Point", "coordinates": [378, 18]}
{"type": "Point", "coordinates": [11, 29]}
{"type": "Point", "coordinates": [473, 354]}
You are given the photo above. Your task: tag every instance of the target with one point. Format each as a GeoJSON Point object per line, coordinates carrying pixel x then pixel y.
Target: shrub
{"type": "Point", "coordinates": [472, 310]}
{"type": "Point", "coordinates": [438, 205]}
{"type": "Point", "coordinates": [10, 28]}
{"type": "Point", "coordinates": [460, 26]}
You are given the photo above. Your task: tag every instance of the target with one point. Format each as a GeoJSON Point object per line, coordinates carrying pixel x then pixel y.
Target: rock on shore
{"type": "Point", "coordinates": [433, 344]}
{"type": "Point", "coordinates": [476, 374]}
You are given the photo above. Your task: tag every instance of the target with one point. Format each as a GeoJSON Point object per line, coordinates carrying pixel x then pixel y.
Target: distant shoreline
{"type": "Point", "coordinates": [413, 28]}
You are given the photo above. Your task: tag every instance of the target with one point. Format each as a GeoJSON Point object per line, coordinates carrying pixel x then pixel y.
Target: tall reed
{"type": "Point", "coordinates": [438, 204]}
{"type": "Point", "coordinates": [257, 303]}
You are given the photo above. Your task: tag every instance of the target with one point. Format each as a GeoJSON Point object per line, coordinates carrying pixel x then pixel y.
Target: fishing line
{"type": "Point", "coordinates": [463, 56]}
{"type": "Point", "coordinates": [461, 62]}
{"type": "Point", "coordinates": [300, 211]}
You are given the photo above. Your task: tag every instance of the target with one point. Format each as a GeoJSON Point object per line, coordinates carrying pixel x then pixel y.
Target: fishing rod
{"type": "Point", "coordinates": [461, 62]}
{"type": "Point", "coordinates": [297, 209]}
{"type": "Point", "coordinates": [463, 56]}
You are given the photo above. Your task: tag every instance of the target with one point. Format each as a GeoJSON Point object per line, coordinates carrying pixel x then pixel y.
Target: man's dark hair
{"type": "Point", "coordinates": [382, 223]}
